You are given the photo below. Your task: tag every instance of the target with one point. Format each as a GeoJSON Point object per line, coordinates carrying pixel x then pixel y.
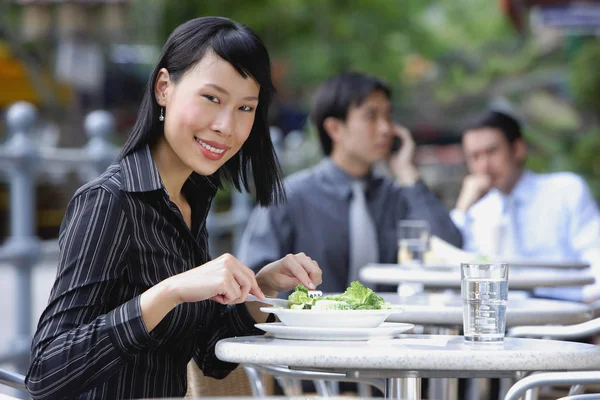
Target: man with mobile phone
{"type": "Point", "coordinates": [508, 212]}
{"type": "Point", "coordinates": [353, 115]}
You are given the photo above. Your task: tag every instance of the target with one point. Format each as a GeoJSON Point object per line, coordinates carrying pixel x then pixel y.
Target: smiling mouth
{"type": "Point", "coordinates": [209, 147]}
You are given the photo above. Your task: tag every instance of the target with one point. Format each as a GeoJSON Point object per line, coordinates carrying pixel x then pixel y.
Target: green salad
{"type": "Point", "coordinates": [356, 297]}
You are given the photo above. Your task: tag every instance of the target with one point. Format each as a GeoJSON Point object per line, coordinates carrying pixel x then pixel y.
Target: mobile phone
{"type": "Point", "coordinates": [396, 144]}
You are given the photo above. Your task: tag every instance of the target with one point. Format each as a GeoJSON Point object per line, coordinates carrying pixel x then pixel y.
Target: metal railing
{"type": "Point", "coordinates": [10, 379]}
{"type": "Point", "coordinates": [23, 163]}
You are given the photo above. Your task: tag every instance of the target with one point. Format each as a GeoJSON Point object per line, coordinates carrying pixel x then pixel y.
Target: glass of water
{"type": "Point", "coordinates": [413, 241]}
{"type": "Point", "coordinates": [484, 290]}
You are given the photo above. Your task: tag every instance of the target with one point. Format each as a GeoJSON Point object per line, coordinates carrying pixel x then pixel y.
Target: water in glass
{"type": "Point", "coordinates": [484, 308]}
{"type": "Point", "coordinates": [411, 251]}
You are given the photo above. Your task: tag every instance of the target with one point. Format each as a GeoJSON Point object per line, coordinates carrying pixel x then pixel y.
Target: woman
{"type": "Point", "coordinates": [136, 295]}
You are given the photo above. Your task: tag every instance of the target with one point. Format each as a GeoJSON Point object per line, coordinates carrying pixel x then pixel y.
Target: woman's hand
{"type": "Point", "coordinates": [225, 280]}
{"type": "Point", "coordinates": [284, 274]}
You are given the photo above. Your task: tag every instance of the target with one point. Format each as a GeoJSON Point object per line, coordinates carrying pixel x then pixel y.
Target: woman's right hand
{"type": "Point", "coordinates": [225, 280]}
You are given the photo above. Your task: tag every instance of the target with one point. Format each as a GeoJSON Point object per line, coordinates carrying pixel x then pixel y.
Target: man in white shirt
{"type": "Point", "coordinates": [506, 210]}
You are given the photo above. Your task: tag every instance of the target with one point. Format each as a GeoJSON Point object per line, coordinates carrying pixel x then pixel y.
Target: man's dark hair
{"type": "Point", "coordinates": [335, 97]}
{"type": "Point", "coordinates": [509, 126]}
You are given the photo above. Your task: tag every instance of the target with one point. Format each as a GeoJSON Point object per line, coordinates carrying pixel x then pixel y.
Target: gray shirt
{"type": "Point", "coordinates": [314, 220]}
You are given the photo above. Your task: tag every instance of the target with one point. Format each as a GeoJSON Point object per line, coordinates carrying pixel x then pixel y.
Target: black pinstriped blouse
{"type": "Point", "coordinates": [120, 236]}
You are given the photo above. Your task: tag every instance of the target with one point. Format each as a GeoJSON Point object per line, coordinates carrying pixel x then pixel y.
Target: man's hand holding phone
{"type": "Point", "coordinates": [401, 161]}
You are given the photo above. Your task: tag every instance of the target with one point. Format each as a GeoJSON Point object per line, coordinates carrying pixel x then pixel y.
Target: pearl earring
{"type": "Point", "coordinates": [161, 118]}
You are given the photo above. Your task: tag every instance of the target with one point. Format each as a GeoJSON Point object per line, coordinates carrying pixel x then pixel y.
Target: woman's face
{"type": "Point", "coordinates": [209, 113]}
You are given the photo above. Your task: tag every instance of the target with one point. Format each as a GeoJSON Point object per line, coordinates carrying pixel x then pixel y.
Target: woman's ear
{"type": "Point", "coordinates": [161, 87]}
{"type": "Point", "coordinates": [333, 127]}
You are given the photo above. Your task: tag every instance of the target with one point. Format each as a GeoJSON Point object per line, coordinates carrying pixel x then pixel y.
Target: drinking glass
{"type": "Point", "coordinates": [413, 241]}
{"type": "Point", "coordinates": [484, 291]}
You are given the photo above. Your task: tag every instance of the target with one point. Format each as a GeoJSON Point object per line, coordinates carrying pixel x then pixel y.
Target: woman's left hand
{"type": "Point", "coordinates": [284, 274]}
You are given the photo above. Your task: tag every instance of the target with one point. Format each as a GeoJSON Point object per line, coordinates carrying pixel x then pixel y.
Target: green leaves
{"type": "Point", "coordinates": [585, 76]}
{"type": "Point", "coordinates": [356, 297]}
{"type": "Point", "coordinates": [300, 296]}
{"type": "Point", "coordinates": [362, 298]}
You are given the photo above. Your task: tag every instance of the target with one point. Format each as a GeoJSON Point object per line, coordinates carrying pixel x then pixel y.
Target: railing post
{"type": "Point", "coordinates": [99, 125]}
{"type": "Point", "coordinates": [23, 246]}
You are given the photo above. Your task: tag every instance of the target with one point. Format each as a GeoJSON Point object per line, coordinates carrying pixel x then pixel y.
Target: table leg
{"type": "Point", "coordinates": [364, 391]}
{"type": "Point", "coordinates": [443, 388]}
{"type": "Point", "coordinates": [334, 387]}
{"type": "Point", "coordinates": [478, 389]}
{"type": "Point", "coordinates": [403, 388]}
{"type": "Point", "coordinates": [505, 385]}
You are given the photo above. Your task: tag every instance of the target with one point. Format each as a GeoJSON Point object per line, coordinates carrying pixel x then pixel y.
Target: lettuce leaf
{"type": "Point", "coordinates": [356, 297]}
{"type": "Point", "coordinates": [300, 297]}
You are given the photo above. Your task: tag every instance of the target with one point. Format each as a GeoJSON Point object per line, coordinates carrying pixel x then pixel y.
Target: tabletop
{"type": "Point", "coordinates": [446, 277]}
{"type": "Point", "coordinates": [425, 355]}
{"type": "Point", "coordinates": [520, 264]}
{"type": "Point", "coordinates": [446, 309]}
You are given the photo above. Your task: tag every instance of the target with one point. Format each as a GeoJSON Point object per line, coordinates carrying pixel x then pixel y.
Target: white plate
{"type": "Point", "coordinates": [387, 330]}
{"type": "Point", "coordinates": [331, 318]}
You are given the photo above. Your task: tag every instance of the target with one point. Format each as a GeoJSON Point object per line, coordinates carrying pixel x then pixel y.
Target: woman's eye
{"type": "Point", "coordinates": [246, 108]}
{"type": "Point", "coordinates": [211, 98]}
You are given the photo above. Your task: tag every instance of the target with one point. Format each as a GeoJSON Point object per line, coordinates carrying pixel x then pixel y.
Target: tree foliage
{"type": "Point", "coordinates": [323, 37]}
{"type": "Point", "coordinates": [446, 60]}
{"type": "Point", "coordinates": [585, 76]}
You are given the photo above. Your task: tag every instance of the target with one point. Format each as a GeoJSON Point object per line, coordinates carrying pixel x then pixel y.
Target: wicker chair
{"type": "Point", "coordinates": [236, 384]}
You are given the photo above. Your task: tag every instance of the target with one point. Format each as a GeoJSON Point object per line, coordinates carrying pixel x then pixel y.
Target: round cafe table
{"type": "Point", "coordinates": [442, 313]}
{"type": "Point", "coordinates": [443, 277]}
{"type": "Point", "coordinates": [445, 309]}
{"type": "Point", "coordinates": [399, 363]}
{"type": "Point", "coordinates": [520, 264]}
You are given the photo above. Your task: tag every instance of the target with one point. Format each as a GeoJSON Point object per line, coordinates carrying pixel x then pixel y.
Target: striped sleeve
{"type": "Point", "coordinates": [229, 321]}
{"type": "Point", "coordinates": [82, 339]}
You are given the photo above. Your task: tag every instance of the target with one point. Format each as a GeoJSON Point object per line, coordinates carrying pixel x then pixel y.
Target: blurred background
{"type": "Point", "coordinates": [446, 60]}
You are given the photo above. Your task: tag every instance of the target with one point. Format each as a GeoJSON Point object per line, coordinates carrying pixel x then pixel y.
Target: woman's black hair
{"type": "Point", "coordinates": [243, 49]}
{"type": "Point", "coordinates": [335, 97]}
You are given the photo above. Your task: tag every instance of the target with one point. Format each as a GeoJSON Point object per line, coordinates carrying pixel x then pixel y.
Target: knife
{"type": "Point", "coordinates": [269, 300]}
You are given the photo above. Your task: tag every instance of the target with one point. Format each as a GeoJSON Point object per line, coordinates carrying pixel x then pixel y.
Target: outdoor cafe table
{"type": "Point", "coordinates": [442, 313]}
{"type": "Point", "coordinates": [520, 264]}
{"type": "Point", "coordinates": [446, 310]}
{"type": "Point", "coordinates": [448, 277]}
{"type": "Point", "coordinates": [400, 362]}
